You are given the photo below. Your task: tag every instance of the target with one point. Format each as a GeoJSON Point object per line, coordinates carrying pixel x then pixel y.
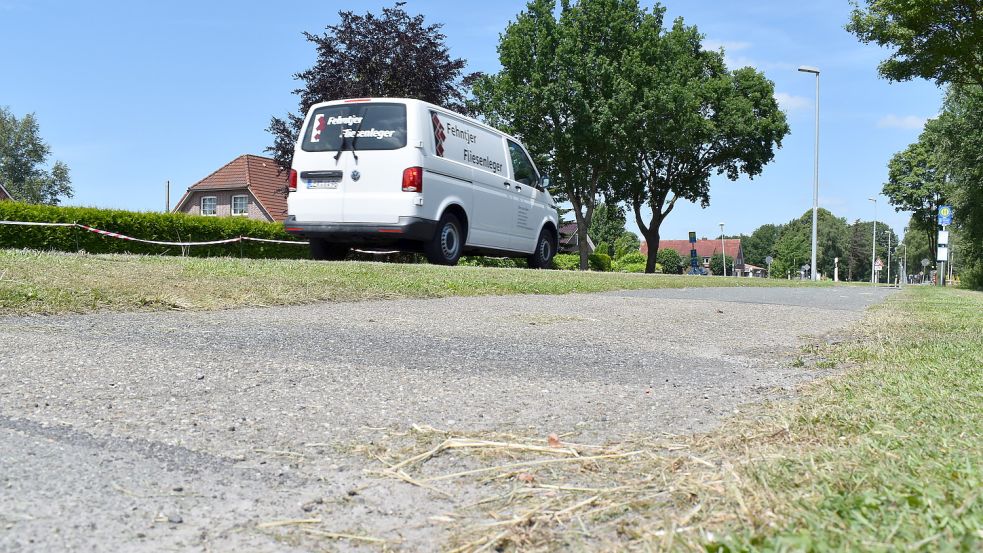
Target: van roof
{"type": "Point", "coordinates": [415, 101]}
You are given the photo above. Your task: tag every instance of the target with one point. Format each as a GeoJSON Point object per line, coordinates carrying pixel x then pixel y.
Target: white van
{"type": "Point", "coordinates": [413, 176]}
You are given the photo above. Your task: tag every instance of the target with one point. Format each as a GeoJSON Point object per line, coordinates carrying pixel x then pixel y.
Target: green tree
{"type": "Point", "coordinates": [939, 40]}
{"type": "Point", "coordinates": [23, 161]}
{"type": "Point", "coordinates": [917, 181]}
{"type": "Point", "coordinates": [671, 261]}
{"type": "Point", "coordinates": [561, 76]}
{"type": "Point", "coordinates": [961, 125]}
{"type": "Point", "coordinates": [607, 225]}
{"type": "Point", "coordinates": [394, 54]}
{"type": "Point", "coordinates": [687, 117]}
{"type": "Point", "coordinates": [761, 244]}
{"type": "Point", "coordinates": [627, 243]}
{"type": "Point", "coordinates": [717, 268]}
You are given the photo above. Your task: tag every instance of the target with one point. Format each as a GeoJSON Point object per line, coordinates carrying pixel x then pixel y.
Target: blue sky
{"type": "Point", "coordinates": [131, 94]}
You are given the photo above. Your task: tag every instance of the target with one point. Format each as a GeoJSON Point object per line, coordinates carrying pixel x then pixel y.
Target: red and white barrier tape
{"type": "Point", "coordinates": [32, 224]}
{"type": "Point", "coordinates": [156, 242]}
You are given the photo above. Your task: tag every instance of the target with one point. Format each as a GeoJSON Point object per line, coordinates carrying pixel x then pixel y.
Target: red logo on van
{"type": "Point", "coordinates": [321, 125]}
{"type": "Point", "coordinates": [438, 134]}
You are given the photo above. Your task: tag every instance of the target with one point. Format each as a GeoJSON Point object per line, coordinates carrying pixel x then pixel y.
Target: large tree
{"type": "Point", "coordinates": [561, 79]}
{"type": "Point", "coordinates": [761, 244]}
{"type": "Point", "coordinates": [24, 168]}
{"type": "Point", "coordinates": [961, 126]}
{"type": "Point", "coordinates": [687, 119]}
{"type": "Point", "coordinates": [918, 181]}
{"type": "Point", "coordinates": [939, 40]}
{"type": "Point", "coordinates": [394, 54]}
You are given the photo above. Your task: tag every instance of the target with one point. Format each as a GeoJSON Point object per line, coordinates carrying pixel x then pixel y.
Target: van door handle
{"type": "Point", "coordinates": [517, 187]}
{"type": "Point", "coordinates": [507, 185]}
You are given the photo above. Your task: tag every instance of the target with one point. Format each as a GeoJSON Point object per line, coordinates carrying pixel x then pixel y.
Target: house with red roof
{"type": "Point", "coordinates": [248, 186]}
{"type": "Point", "coordinates": [706, 249]}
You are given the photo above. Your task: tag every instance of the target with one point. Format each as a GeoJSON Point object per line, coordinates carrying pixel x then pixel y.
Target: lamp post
{"type": "Point", "coordinates": [723, 251]}
{"type": "Point", "coordinates": [873, 246]}
{"type": "Point", "coordinates": [815, 183]}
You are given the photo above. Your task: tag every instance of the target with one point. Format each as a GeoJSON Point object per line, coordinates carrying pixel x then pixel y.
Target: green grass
{"type": "Point", "coordinates": [48, 283]}
{"type": "Point", "coordinates": [889, 456]}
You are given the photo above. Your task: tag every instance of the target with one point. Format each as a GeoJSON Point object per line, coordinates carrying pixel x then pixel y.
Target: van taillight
{"type": "Point", "coordinates": [413, 179]}
{"type": "Point", "coordinates": [293, 181]}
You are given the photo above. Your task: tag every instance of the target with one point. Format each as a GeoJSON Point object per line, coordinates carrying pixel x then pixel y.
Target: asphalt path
{"type": "Point", "coordinates": [184, 431]}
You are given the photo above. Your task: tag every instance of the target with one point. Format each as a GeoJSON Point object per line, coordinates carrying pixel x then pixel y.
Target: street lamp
{"type": "Point", "coordinates": [815, 183]}
{"type": "Point", "coordinates": [723, 251]}
{"type": "Point", "coordinates": [873, 245]}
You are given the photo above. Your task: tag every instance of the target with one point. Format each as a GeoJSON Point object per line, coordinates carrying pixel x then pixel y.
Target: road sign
{"type": "Point", "coordinates": [926, 262]}
{"type": "Point", "coordinates": [769, 260]}
{"type": "Point", "coordinates": [943, 253]}
{"type": "Point", "coordinates": [945, 215]}
{"type": "Point", "coordinates": [692, 238]}
{"type": "Point", "coordinates": [878, 265]}
{"type": "Point", "coordinates": [943, 237]}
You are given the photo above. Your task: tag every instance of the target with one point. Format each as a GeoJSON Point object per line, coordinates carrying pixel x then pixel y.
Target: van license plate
{"type": "Point", "coordinates": [322, 184]}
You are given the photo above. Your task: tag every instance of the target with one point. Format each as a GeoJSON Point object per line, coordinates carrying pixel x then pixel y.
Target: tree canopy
{"type": "Point", "coordinates": [561, 81]}
{"type": "Point", "coordinates": [23, 162]}
{"type": "Point", "coordinates": [688, 118]}
{"type": "Point", "coordinates": [917, 180]}
{"type": "Point", "coordinates": [394, 54]}
{"type": "Point", "coordinates": [939, 40]}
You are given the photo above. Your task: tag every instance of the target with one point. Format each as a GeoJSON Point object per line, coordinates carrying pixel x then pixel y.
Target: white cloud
{"type": "Point", "coordinates": [791, 102]}
{"type": "Point", "coordinates": [907, 122]}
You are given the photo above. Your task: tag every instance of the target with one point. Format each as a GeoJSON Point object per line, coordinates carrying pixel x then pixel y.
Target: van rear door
{"type": "Point", "coordinates": [350, 164]}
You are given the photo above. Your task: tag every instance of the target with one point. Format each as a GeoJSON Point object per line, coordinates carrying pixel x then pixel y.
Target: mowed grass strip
{"type": "Point", "coordinates": [51, 283]}
{"type": "Point", "coordinates": [886, 456]}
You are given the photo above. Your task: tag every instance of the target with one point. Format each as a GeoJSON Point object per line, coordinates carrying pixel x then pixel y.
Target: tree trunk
{"type": "Point", "coordinates": [650, 232]}
{"type": "Point", "coordinates": [582, 243]}
{"type": "Point", "coordinates": [652, 239]}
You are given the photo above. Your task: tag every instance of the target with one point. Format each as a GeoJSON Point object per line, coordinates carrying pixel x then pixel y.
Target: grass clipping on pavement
{"type": "Point", "coordinates": [50, 282]}
{"type": "Point", "coordinates": [886, 456]}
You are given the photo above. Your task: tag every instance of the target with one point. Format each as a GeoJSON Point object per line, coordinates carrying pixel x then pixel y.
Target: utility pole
{"type": "Point", "coordinates": [873, 246]}
{"type": "Point", "coordinates": [723, 250]}
{"type": "Point", "coordinates": [815, 183]}
{"type": "Point", "coordinates": [889, 256]}
{"type": "Point", "coordinates": [167, 197]}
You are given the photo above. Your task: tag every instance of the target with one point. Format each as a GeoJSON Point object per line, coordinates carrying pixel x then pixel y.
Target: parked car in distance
{"type": "Point", "coordinates": [409, 175]}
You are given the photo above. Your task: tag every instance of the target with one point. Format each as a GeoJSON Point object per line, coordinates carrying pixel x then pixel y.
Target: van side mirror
{"type": "Point", "coordinates": [545, 182]}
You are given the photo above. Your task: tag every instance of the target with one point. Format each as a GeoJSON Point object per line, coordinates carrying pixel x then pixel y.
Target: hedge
{"type": "Point", "coordinates": [171, 227]}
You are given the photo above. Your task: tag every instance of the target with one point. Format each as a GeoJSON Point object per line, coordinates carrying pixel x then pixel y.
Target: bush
{"type": "Point", "coordinates": [625, 244]}
{"type": "Point", "coordinates": [170, 227]}
{"type": "Point", "coordinates": [500, 262]}
{"type": "Point", "coordinates": [603, 247]}
{"type": "Point", "coordinates": [633, 262]}
{"type": "Point", "coordinates": [671, 261]}
{"type": "Point", "coordinates": [599, 262]}
{"type": "Point", "coordinates": [566, 261]}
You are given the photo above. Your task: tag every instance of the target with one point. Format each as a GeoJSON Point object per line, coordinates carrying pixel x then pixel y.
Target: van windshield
{"type": "Point", "coordinates": [367, 126]}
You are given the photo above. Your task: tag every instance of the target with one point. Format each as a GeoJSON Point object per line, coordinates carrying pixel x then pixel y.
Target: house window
{"type": "Point", "coordinates": [240, 205]}
{"type": "Point", "coordinates": [209, 205]}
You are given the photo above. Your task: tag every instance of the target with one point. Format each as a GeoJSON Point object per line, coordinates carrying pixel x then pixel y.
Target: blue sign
{"type": "Point", "coordinates": [945, 215]}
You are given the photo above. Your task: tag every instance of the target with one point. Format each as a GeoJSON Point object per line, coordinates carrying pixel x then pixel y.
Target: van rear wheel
{"type": "Point", "coordinates": [322, 250]}
{"type": "Point", "coordinates": [447, 243]}
{"type": "Point", "coordinates": [542, 257]}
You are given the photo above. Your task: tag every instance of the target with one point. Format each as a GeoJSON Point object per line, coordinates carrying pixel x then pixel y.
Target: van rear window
{"type": "Point", "coordinates": [357, 126]}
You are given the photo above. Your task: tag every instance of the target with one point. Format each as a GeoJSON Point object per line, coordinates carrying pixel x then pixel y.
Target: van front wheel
{"type": "Point", "coordinates": [446, 245]}
{"type": "Point", "coordinates": [322, 250]}
{"type": "Point", "coordinates": [542, 257]}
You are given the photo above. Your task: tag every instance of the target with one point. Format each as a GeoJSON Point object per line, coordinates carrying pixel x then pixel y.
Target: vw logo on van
{"type": "Point", "coordinates": [356, 175]}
